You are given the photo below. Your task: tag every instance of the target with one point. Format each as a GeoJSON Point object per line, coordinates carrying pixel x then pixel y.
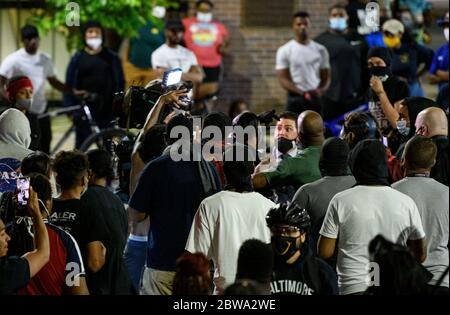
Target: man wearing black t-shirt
{"type": "Point", "coordinates": [71, 168]}
{"type": "Point", "coordinates": [69, 213]}
{"type": "Point", "coordinates": [97, 70]}
{"type": "Point", "coordinates": [112, 226]}
{"type": "Point", "coordinates": [296, 269]}
{"type": "Point", "coordinates": [348, 51]}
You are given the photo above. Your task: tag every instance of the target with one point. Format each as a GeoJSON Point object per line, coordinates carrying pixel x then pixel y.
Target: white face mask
{"type": "Point", "coordinates": [446, 33]}
{"type": "Point", "coordinates": [159, 12]}
{"type": "Point", "coordinates": [204, 17]}
{"type": "Point", "coordinates": [94, 43]}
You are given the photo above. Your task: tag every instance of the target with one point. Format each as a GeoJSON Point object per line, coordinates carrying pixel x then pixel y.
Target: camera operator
{"type": "Point", "coordinates": [169, 192]}
{"type": "Point", "coordinates": [172, 99]}
{"type": "Point", "coordinates": [151, 133]}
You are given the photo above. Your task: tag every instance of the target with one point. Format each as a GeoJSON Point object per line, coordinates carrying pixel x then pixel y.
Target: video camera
{"type": "Point", "coordinates": [132, 107]}
{"type": "Point", "coordinates": [267, 117]}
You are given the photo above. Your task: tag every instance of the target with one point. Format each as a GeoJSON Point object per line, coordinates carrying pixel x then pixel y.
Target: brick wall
{"type": "Point", "coordinates": [250, 68]}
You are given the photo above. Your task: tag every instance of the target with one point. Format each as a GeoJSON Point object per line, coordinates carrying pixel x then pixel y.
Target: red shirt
{"type": "Point", "coordinates": [204, 39]}
{"type": "Point", "coordinates": [64, 258]}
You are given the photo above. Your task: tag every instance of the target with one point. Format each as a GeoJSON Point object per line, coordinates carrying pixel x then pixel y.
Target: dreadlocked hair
{"type": "Point", "coordinates": [21, 230]}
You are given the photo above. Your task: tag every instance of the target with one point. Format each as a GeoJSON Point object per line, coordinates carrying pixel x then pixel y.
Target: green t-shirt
{"type": "Point", "coordinates": [298, 170]}
{"type": "Point", "coordinates": [150, 37]}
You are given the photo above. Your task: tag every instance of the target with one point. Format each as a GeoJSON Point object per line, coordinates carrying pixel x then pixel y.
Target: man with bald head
{"type": "Point", "coordinates": [432, 123]}
{"type": "Point", "coordinates": [303, 168]}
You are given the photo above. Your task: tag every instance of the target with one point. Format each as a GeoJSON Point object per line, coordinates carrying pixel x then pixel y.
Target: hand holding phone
{"type": "Point", "coordinates": [23, 190]}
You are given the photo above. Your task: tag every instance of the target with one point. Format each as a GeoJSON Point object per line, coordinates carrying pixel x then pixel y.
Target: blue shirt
{"type": "Point", "coordinates": [440, 61]}
{"type": "Point", "coordinates": [170, 193]}
{"type": "Point", "coordinates": [375, 39]}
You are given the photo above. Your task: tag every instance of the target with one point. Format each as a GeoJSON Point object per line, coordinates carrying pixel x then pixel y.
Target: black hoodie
{"type": "Point", "coordinates": [368, 163]}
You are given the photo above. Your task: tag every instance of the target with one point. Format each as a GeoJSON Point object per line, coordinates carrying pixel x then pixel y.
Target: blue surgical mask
{"type": "Point", "coordinates": [338, 23]}
{"type": "Point", "coordinates": [402, 127]}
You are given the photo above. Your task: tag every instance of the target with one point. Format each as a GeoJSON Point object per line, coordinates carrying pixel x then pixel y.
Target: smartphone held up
{"type": "Point", "coordinates": [23, 191]}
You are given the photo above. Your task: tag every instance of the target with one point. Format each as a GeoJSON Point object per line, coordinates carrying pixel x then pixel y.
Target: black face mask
{"type": "Point", "coordinates": [285, 145]}
{"type": "Point", "coordinates": [380, 71]}
{"type": "Point", "coordinates": [284, 247]}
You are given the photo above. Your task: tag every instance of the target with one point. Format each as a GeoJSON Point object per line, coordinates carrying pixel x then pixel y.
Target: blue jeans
{"type": "Point", "coordinates": [135, 257]}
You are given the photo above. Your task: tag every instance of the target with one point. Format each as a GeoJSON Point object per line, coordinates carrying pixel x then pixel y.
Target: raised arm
{"type": "Point", "coordinates": [41, 255]}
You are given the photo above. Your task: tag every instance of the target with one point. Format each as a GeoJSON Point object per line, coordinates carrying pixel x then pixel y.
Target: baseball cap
{"type": "Point", "coordinates": [393, 26]}
{"type": "Point", "coordinates": [175, 25]}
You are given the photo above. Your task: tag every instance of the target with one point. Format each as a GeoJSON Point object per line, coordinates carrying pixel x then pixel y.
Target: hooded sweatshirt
{"type": "Point", "coordinates": [368, 163]}
{"type": "Point", "coordinates": [15, 135]}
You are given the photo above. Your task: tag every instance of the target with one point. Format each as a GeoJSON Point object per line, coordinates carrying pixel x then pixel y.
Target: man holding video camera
{"type": "Point", "coordinates": [169, 193]}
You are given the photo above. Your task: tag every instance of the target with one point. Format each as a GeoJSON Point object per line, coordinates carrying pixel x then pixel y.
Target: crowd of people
{"type": "Point", "coordinates": [365, 212]}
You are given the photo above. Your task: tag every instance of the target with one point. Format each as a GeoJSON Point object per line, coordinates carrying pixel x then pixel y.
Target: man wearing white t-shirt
{"type": "Point", "coordinates": [227, 219]}
{"type": "Point", "coordinates": [432, 200]}
{"type": "Point", "coordinates": [172, 55]}
{"type": "Point", "coordinates": [303, 67]}
{"type": "Point", "coordinates": [39, 68]}
{"type": "Point", "coordinates": [356, 215]}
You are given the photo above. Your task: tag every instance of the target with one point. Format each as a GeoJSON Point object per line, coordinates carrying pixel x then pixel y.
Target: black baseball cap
{"type": "Point", "coordinates": [174, 25]}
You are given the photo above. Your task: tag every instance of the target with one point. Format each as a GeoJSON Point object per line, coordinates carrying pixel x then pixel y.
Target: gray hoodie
{"type": "Point", "coordinates": [15, 135]}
